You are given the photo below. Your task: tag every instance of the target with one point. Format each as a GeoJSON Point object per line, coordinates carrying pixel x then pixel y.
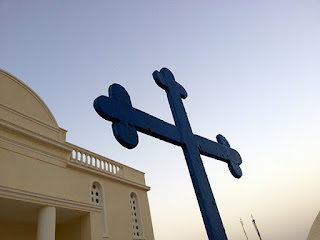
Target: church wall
{"type": "Point", "coordinates": [69, 230]}
{"type": "Point", "coordinates": [21, 171]}
{"type": "Point", "coordinates": [17, 231]}
{"type": "Point", "coordinates": [36, 167]}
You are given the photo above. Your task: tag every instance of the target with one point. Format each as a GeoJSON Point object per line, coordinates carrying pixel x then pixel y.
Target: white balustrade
{"type": "Point", "coordinates": [94, 161]}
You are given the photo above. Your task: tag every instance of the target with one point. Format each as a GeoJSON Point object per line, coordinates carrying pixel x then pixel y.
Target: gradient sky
{"type": "Point", "coordinates": [252, 72]}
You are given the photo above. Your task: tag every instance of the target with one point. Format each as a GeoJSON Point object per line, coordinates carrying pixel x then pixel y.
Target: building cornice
{"type": "Point", "coordinates": [33, 135]}
{"type": "Point", "coordinates": [27, 117]}
{"type": "Point", "coordinates": [17, 194]}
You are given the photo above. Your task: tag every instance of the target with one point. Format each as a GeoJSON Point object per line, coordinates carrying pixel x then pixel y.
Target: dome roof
{"type": "Point", "coordinates": [21, 106]}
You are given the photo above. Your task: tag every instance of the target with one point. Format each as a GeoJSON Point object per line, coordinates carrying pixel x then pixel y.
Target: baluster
{"type": "Point", "coordinates": [84, 156]}
{"type": "Point", "coordinates": [98, 163]}
{"type": "Point", "coordinates": [107, 167]}
{"type": "Point", "coordinates": [93, 159]}
{"type": "Point", "coordinates": [102, 164]}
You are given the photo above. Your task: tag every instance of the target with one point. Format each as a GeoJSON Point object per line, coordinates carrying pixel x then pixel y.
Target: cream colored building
{"type": "Point", "coordinates": [51, 189]}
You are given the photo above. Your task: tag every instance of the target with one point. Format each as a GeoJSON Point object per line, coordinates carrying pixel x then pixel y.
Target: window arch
{"type": "Point", "coordinates": [96, 194]}
{"type": "Point", "coordinates": [135, 216]}
{"type": "Point", "coordinates": [97, 198]}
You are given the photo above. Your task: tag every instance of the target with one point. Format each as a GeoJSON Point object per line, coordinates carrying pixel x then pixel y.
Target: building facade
{"type": "Point", "coordinates": [53, 190]}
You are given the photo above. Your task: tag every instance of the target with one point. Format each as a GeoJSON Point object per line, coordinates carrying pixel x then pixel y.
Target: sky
{"type": "Point", "coordinates": [251, 70]}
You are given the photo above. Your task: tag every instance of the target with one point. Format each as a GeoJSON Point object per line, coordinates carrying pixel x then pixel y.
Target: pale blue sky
{"type": "Point", "coordinates": [251, 69]}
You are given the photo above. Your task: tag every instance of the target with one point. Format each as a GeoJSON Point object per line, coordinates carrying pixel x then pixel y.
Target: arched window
{"type": "Point", "coordinates": [135, 216]}
{"type": "Point", "coordinates": [97, 198]}
{"type": "Point", "coordinates": [96, 193]}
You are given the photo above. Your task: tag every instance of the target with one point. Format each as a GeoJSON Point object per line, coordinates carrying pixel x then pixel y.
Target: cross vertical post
{"type": "Point", "coordinates": [128, 120]}
{"type": "Point", "coordinates": [206, 201]}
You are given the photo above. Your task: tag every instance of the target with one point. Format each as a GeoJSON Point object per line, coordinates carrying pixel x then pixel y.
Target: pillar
{"type": "Point", "coordinates": [46, 223]}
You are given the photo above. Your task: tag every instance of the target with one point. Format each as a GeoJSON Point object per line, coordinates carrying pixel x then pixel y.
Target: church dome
{"type": "Point", "coordinates": [21, 106]}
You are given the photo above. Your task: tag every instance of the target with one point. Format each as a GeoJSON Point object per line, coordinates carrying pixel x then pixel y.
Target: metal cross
{"type": "Point", "coordinates": [127, 120]}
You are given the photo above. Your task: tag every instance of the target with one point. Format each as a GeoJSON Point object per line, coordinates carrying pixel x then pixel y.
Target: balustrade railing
{"type": "Point", "coordinates": [94, 161]}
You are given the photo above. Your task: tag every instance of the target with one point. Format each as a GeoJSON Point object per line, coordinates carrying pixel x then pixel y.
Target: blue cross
{"type": "Point", "coordinates": [127, 120]}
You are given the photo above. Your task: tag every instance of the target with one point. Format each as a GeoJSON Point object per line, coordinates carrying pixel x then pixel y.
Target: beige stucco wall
{"type": "Point", "coordinates": [36, 168]}
{"type": "Point", "coordinates": [17, 231]}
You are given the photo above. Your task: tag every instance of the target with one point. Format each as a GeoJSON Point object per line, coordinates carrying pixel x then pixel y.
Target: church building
{"type": "Point", "coordinates": [53, 190]}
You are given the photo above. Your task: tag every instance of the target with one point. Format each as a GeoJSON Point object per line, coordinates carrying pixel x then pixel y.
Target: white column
{"type": "Point", "coordinates": [46, 223]}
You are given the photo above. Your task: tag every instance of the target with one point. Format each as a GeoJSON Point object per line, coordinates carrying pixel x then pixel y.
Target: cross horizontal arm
{"type": "Point", "coordinates": [218, 151]}
{"type": "Point", "coordinates": [221, 152]}
{"type": "Point", "coordinates": [114, 110]}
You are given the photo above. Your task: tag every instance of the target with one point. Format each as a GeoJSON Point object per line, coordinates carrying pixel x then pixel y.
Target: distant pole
{"type": "Point", "coordinates": [256, 227]}
{"type": "Point", "coordinates": [243, 228]}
